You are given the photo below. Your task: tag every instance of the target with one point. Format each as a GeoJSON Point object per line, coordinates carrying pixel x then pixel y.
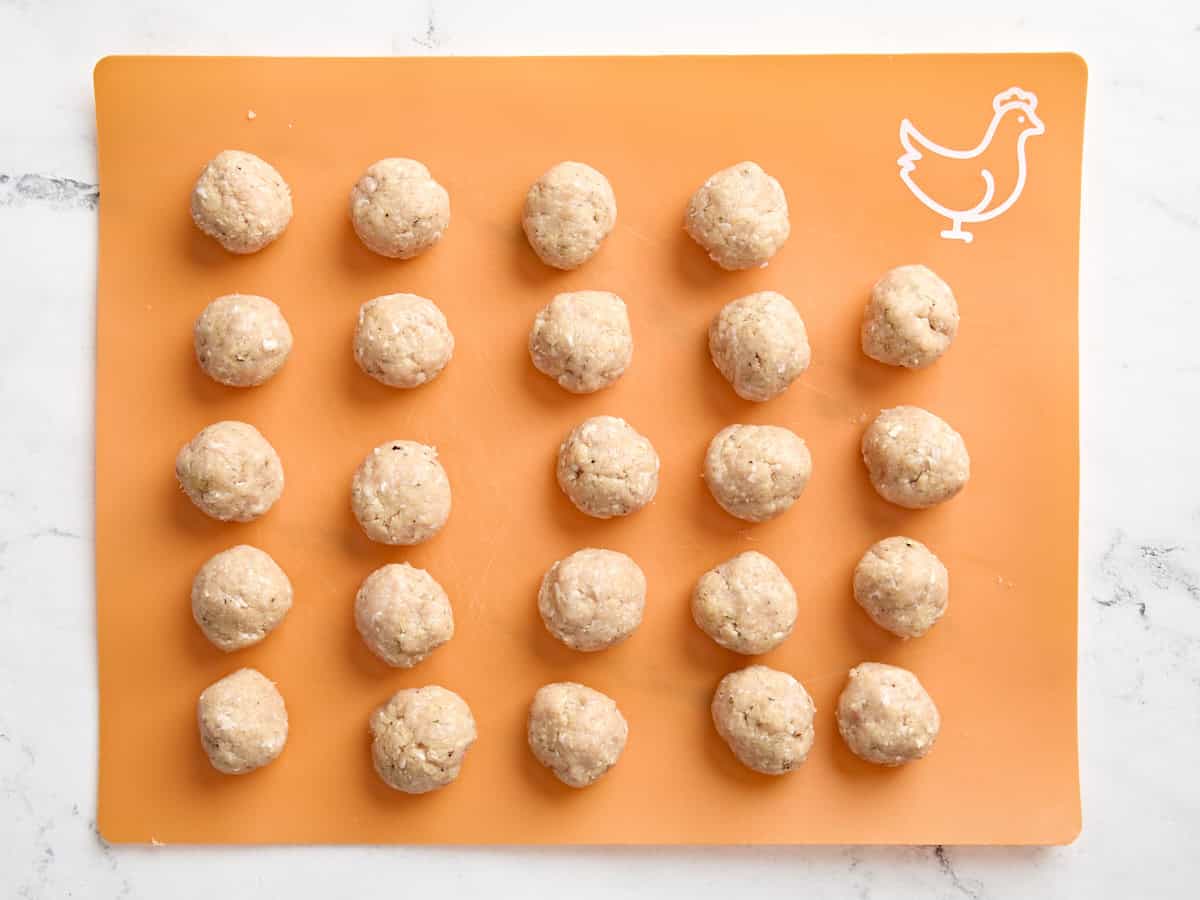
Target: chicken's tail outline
{"type": "Point", "coordinates": [908, 162]}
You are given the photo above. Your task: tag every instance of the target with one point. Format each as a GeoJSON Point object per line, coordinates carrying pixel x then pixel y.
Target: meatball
{"type": "Point", "coordinates": [420, 738]}
{"type": "Point", "coordinates": [401, 494]}
{"type": "Point", "coordinates": [243, 722]}
{"type": "Point", "coordinates": [241, 201]}
{"type": "Point", "coordinates": [911, 318]}
{"type": "Point", "coordinates": [759, 344]}
{"type": "Point", "coordinates": [241, 340]}
{"type": "Point", "coordinates": [756, 472]}
{"type": "Point", "coordinates": [902, 586]}
{"type": "Point", "coordinates": [766, 718]}
{"type": "Point", "coordinates": [403, 614]}
{"type": "Point", "coordinates": [239, 597]}
{"type": "Point", "coordinates": [576, 732]}
{"type": "Point", "coordinates": [746, 604]}
{"type": "Point", "coordinates": [230, 472]}
{"type": "Point", "coordinates": [569, 211]}
{"type": "Point", "coordinates": [606, 468]}
{"type": "Point", "coordinates": [402, 340]}
{"type": "Point", "coordinates": [398, 210]}
{"type": "Point", "coordinates": [739, 216]}
{"type": "Point", "coordinates": [582, 340]}
{"type": "Point", "coordinates": [885, 716]}
{"type": "Point", "coordinates": [915, 459]}
{"type": "Point", "coordinates": [592, 599]}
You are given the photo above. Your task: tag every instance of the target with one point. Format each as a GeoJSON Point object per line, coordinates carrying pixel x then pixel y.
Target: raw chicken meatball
{"type": "Point", "coordinates": [420, 738]}
{"type": "Point", "coordinates": [398, 210]}
{"type": "Point", "coordinates": [885, 716]}
{"type": "Point", "coordinates": [592, 599]}
{"type": "Point", "coordinates": [241, 340]}
{"type": "Point", "coordinates": [582, 340]}
{"type": "Point", "coordinates": [759, 344]}
{"type": "Point", "coordinates": [606, 468]}
{"type": "Point", "coordinates": [241, 201]}
{"type": "Point", "coordinates": [402, 340]}
{"type": "Point", "coordinates": [401, 494]}
{"type": "Point", "coordinates": [902, 586]}
{"type": "Point", "coordinates": [915, 459]}
{"type": "Point", "coordinates": [746, 604]}
{"type": "Point", "coordinates": [766, 718]}
{"type": "Point", "coordinates": [911, 318]}
{"type": "Point", "coordinates": [403, 614]}
{"type": "Point", "coordinates": [230, 472]}
{"type": "Point", "coordinates": [243, 722]}
{"type": "Point", "coordinates": [568, 212]}
{"type": "Point", "coordinates": [756, 472]}
{"type": "Point", "coordinates": [239, 597]}
{"type": "Point", "coordinates": [576, 732]}
{"type": "Point", "coordinates": [740, 216]}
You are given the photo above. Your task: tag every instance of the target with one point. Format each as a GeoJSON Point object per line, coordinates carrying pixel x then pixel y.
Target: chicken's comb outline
{"type": "Point", "coordinates": [1014, 95]}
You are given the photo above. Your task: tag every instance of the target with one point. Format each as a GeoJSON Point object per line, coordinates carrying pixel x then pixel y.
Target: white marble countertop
{"type": "Point", "coordinates": [1140, 534]}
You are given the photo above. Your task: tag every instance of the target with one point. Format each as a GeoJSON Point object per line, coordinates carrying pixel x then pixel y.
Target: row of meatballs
{"type": "Point", "coordinates": [401, 493]}
{"type": "Point", "coordinates": [739, 215]}
{"type": "Point", "coordinates": [583, 339]}
{"type": "Point", "coordinates": [420, 737]}
{"type": "Point", "coordinates": [590, 600]}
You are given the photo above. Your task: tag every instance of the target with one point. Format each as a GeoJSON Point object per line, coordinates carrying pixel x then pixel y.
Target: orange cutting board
{"type": "Point", "coordinates": [1001, 665]}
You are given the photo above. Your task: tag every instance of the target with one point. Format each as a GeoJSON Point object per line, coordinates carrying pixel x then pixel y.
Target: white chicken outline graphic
{"type": "Point", "coordinates": [1013, 100]}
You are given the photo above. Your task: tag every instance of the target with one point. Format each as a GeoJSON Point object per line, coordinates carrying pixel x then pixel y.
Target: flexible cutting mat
{"type": "Point", "coordinates": [1001, 665]}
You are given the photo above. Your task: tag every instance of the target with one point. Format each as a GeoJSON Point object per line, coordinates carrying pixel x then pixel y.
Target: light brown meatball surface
{"type": "Point", "coordinates": [576, 732]}
{"type": "Point", "coordinates": [886, 716]}
{"type": "Point", "coordinates": [766, 718]}
{"type": "Point", "coordinates": [230, 472]}
{"type": "Point", "coordinates": [241, 202]}
{"type": "Point", "coordinates": [397, 209]}
{"type": "Point", "coordinates": [243, 722]}
{"type": "Point", "coordinates": [402, 340]}
{"type": "Point", "coordinates": [911, 318]}
{"type": "Point", "coordinates": [606, 468]}
{"type": "Point", "coordinates": [756, 472]}
{"type": "Point", "coordinates": [241, 340]}
{"type": "Point", "coordinates": [915, 459]}
{"type": "Point", "coordinates": [758, 342]}
{"type": "Point", "coordinates": [420, 738]}
{"type": "Point", "coordinates": [592, 599]}
{"type": "Point", "coordinates": [739, 216]}
{"type": "Point", "coordinates": [569, 211]}
{"type": "Point", "coordinates": [746, 604]}
{"type": "Point", "coordinates": [401, 493]}
{"type": "Point", "coordinates": [239, 596]}
{"type": "Point", "coordinates": [902, 586]}
{"type": "Point", "coordinates": [402, 614]}
{"type": "Point", "coordinates": [582, 340]}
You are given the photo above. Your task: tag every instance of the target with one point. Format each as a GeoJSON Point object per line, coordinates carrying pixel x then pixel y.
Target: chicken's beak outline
{"type": "Point", "coordinates": [1035, 124]}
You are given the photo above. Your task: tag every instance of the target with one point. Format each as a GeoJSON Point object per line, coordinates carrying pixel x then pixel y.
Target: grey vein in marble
{"type": "Point", "coordinates": [1166, 571]}
{"type": "Point", "coordinates": [966, 888]}
{"type": "Point", "coordinates": [62, 193]}
{"type": "Point", "coordinates": [1174, 213]}
{"type": "Point", "coordinates": [38, 535]}
{"type": "Point", "coordinates": [433, 38]}
{"type": "Point", "coordinates": [1158, 561]}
